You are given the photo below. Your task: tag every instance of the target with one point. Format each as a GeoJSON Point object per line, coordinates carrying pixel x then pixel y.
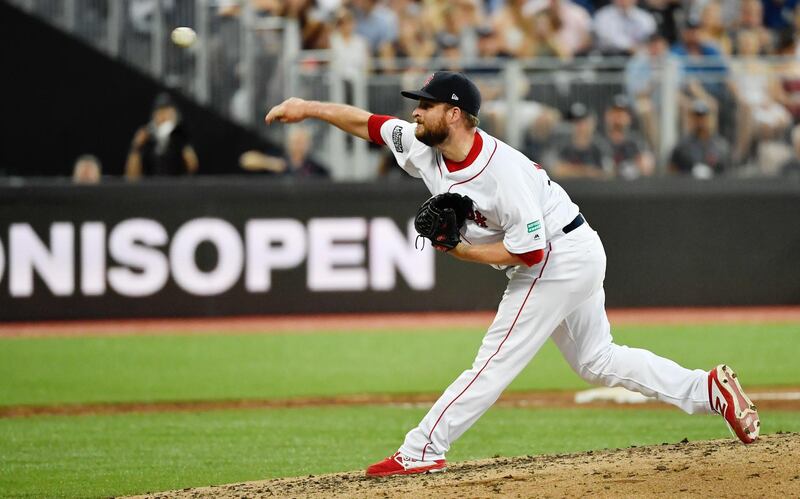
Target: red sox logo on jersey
{"type": "Point", "coordinates": [477, 217]}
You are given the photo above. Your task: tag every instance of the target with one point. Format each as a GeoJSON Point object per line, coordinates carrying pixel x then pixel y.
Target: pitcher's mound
{"type": "Point", "coordinates": [718, 468]}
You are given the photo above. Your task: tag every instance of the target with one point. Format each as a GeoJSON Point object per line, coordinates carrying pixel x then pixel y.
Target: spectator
{"type": "Point", "coordinates": [667, 14]}
{"type": "Point", "coordinates": [630, 156]}
{"type": "Point", "coordinates": [514, 28]}
{"type": "Point", "coordinates": [376, 23]}
{"type": "Point", "coordinates": [643, 76]}
{"type": "Point", "coordinates": [791, 168]}
{"type": "Point", "coordinates": [295, 162]}
{"type": "Point", "coordinates": [161, 147]}
{"type": "Point", "coordinates": [544, 40]}
{"type": "Point", "coordinates": [702, 152]}
{"type": "Point", "coordinates": [414, 42]}
{"type": "Point", "coordinates": [87, 170]}
{"type": "Point", "coordinates": [730, 10]}
{"type": "Point", "coordinates": [571, 24]}
{"type": "Point", "coordinates": [704, 74]}
{"type": "Point", "coordinates": [712, 28]}
{"type": "Point", "coordinates": [763, 117]}
{"type": "Point", "coordinates": [621, 27]}
{"type": "Point", "coordinates": [583, 156]}
{"type": "Point", "coordinates": [350, 51]}
{"type": "Point", "coordinates": [751, 18]}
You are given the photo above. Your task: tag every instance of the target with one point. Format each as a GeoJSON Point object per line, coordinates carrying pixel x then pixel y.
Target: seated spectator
{"type": "Point", "coordinates": [667, 14]}
{"type": "Point", "coordinates": [376, 23]}
{"type": "Point", "coordinates": [763, 118]}
{"type": "Point", "coordinates": [570, 23]}
{"type": "Point", "coordinates": [702, 153]}
{"type": "Point", "coordinates": [350, 52]}
{"type": "Point", "coordinates": [162, 147]}
{"type": "Point", "coordinates": [414, 42]}
{"type": "Point", "coordinates": [295, 162]}
{"type": "Point", "coordinates": [621, 27]}
{"type": "Point", "coordinates": [751, 18]}
{"type": "Point", "coordinates": [630, 156]}
{"type": "Point", "coordinates": [544, 40]}
{"type": "Point", "coordinates": [792, 167]}
{"type": "Point", "coordinates": [643, 76]}
{"type": "Point", "coordinates": [712, 28]}
{"type": "Point", "coordinates": [701, 63]}
{"type": "Point", "coordinates": [514, 28]}
{"type": "Point", "coordinates": [87, 170]}
{"type": "Point", "coordinates": [584, 155]}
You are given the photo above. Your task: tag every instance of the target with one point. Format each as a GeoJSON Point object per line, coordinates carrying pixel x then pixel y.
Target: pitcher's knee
{"type": "Point", "coordinates": [594, 370]}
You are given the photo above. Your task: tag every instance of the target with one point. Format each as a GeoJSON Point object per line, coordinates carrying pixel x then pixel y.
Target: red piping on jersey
{"type": "Point", "coordinates": [530, 290]}
{"type": "Point", "coordinates": [476, 175]}
{"type": "Point", "coordinates": [477, 145]}
{"type": "Point", "coordinates": [374, 124]}
{"type": "Point", "coordinates": [531, 258]}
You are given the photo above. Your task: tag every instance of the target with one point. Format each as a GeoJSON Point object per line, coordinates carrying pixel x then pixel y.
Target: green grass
{"type": "Point", "coordinates": [216, 367]}
{"type": "Point", "coordinates": [136, 453]}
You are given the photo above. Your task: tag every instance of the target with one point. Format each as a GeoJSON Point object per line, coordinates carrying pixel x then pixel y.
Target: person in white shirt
{"type": "Point", "coordinates": [621, 27]}
{"type": "Point", "coordinates": [525, 224]}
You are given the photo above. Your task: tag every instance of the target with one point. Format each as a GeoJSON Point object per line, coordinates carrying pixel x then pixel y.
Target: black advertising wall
{"type": "Point", "coordinates": [61, 99]}
{"type": "Point", "coordinates": [233, 246]}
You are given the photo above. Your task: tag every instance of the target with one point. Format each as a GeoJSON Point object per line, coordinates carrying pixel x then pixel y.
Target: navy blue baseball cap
{"type": "Point", "coordinates": [449, 87]}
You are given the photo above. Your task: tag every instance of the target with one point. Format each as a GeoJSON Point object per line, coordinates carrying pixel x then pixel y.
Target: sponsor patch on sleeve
{"type": "Point", "coordinates": [534, 226]}
{"type": "Point", "coordinates": [397, 138]}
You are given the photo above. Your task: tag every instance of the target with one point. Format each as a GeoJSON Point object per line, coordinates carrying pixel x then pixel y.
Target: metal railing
{"type": "Point", "coordinates": [243, 62]}
{"type": "Point", "coordinates": [235, 66]}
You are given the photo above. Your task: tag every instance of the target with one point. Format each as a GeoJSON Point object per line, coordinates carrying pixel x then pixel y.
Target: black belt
{"type": "Point", "coordinates": [577, 222]}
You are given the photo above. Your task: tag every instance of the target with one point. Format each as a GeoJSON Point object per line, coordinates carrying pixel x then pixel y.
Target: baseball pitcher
{"type": "Point", "coordinates": [493, 205]}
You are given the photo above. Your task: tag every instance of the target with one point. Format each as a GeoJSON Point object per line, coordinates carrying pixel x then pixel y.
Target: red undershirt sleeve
{"type": "Point", "coordinates": [531, 258]}
{"type": "Point", "coordinates": [374, 124]}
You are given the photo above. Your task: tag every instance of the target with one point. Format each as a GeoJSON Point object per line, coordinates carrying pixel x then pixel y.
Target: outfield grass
{"type": "Point", "coordinates": [219, 367]}
{"type": "Point", "coordinates": [135, 453]}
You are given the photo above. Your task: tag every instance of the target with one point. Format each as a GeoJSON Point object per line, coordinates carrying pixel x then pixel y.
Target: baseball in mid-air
{"type": "Point", "coordinates": [183, 36]}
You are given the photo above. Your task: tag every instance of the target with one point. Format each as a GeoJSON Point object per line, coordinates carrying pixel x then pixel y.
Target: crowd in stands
{"type": "Point", "coordinates": [737, 111]}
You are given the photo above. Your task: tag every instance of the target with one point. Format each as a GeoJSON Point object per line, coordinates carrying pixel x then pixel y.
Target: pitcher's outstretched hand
{"type": "Point", "coordinates": [291, 110]}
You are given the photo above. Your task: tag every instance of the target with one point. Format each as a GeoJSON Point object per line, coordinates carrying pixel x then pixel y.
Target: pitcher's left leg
{"type": "Point", "coordinates": [584, 339]}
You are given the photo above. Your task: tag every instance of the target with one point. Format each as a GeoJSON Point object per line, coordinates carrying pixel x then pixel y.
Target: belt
{"type": "Point", "coordinates": [577, 222]}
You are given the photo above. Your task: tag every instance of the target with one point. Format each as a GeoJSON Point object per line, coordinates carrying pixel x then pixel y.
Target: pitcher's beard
{"type": "Point", "coordinates": [432, 137]}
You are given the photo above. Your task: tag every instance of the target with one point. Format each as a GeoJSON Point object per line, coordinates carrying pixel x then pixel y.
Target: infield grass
{"type": "Point", "coordinates": [230, 367]}
{"type": "Point", "coordinates": [135, 453]}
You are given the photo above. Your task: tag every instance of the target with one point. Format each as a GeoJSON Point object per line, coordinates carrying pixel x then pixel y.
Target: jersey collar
{"type": "Point", "coordinates": [477, 145]}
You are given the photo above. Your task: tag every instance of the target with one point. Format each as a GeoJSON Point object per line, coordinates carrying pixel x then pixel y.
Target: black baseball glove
{"type": "Point", "coordinates": [441, 218]}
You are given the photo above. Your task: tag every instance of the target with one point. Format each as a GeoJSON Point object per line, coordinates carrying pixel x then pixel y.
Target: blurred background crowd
{"type": "Point", "coordinates": [596, 89]}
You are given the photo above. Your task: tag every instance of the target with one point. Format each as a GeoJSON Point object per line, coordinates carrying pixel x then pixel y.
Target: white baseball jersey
{"type": "Point", "coordinates": [560, 297]}
{"type": "Point", "coordinates": [514, 199]}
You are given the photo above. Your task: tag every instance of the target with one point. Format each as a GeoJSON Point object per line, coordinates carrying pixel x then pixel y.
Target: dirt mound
{"type": "Point", "coordinates": [719, 468]}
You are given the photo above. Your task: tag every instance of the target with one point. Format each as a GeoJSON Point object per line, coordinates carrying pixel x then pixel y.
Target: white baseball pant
{"type": "Point", "coordinates": [562, 297]}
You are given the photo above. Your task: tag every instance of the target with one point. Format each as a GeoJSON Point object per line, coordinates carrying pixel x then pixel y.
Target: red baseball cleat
{"type": "Point", "coordinates": [727, 398]}
{"type": "Point", "coordinates": [399, 464]}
